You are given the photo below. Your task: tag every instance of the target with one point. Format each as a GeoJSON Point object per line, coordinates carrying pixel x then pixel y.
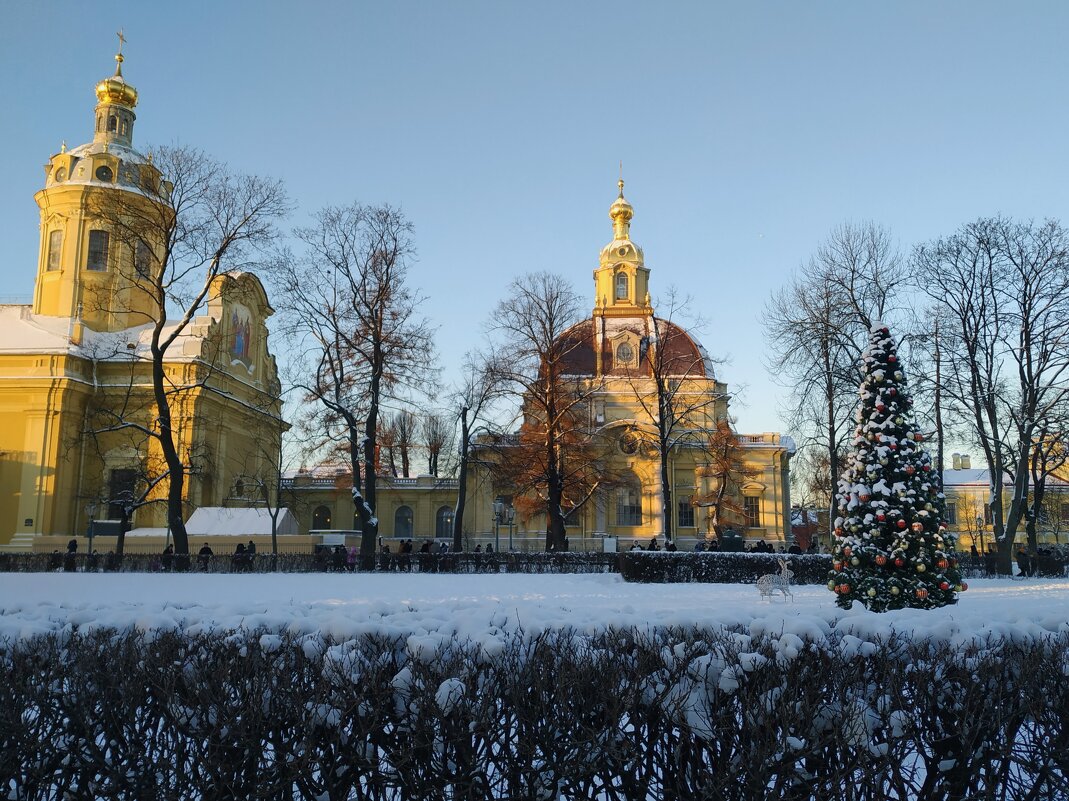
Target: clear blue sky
{"type": "Point", "coordinates": [747, 130]}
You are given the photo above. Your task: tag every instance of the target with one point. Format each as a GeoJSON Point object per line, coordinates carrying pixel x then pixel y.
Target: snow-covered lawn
{"type": "Point", "coordinates": [464, 606]}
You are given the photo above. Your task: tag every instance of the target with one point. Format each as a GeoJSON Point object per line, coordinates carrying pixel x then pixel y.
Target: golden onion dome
{"type": "Point", "coordinates": [621, 210]}
{"type": "Point", "coordinates": [115, 89]}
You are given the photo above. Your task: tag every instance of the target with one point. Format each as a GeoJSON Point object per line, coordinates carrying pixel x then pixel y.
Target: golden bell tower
{"type": "Point", "coordinates": [87, 270]}
{"type": "Point", "coordinates": [621, 281]}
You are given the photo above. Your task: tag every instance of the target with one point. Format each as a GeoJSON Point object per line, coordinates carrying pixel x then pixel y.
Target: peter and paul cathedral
{"type": "Point", "coordinates": [75, 391]}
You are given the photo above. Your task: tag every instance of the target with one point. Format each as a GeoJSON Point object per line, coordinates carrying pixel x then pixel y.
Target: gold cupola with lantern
{"type": "Point", "coordinates": [621, 280]}
{"type": "Point", "coordinates": [87, 268]}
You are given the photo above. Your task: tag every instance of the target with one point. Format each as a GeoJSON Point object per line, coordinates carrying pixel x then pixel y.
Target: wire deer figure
{"type": "Point", "coordinates": [776, 582]}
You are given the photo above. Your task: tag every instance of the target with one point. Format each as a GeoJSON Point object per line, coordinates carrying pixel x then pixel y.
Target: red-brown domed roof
{"type": "Point", "coordinates": [680, 354]}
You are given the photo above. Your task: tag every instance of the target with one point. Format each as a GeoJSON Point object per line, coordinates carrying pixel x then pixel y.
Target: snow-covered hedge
{"type": "Point", "coordinates": [623, 714]}
{"type": "Point", "coordinates": [720, 567]}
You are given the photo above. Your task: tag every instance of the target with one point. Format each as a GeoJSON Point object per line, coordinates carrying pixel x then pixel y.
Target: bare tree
{"type": "Point", "coordinates": [190, 222]}
{"type": "Point", "coordinates": [817, 327]}
{"type": "Point", "coordinates": [671, 384]}
{"type": "Point", "coordinates": [473, 397]}
{"type": "Point", "coordinates": [556, 457]}
{"type": "Point", "coordinates": [1050, 454]}
{"type": "Point", "coordinates": [726, 470]}
{"type": "Point", "coordinates": [436, 436]}
{"type": "Point", "coordinates": [357, 322]}
{"type": "Point", "coordinates": [405, 425]}
{"type": "Point", "coordinates": [1005, 287]}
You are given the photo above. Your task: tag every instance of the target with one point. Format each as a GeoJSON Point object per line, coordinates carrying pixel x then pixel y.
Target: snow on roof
{"type": "Point", "coordinates": [22, 331]}
{"type": "Point", "coordinates": [218, 521]}
{"type": "Point", "coordinates": [973, 476]}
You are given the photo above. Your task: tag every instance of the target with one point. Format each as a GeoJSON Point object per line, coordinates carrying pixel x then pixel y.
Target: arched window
{"type": "Point", "coordinates": [629, 505]}
{"type": "Point", "coordinates": [124, 127]}
{"type": "Point", "coordinates": [112, 124]}
{"type": "Point", "coordinates": [443, 522]}
{"type": "Point", "coordinates": [621, 286]}
{"type": "Point", "coordinates": [100, 122]}
{"type": "Point", "coordinates": [321, 518]}
{"type": "Point", "coordinates": [402, 522]}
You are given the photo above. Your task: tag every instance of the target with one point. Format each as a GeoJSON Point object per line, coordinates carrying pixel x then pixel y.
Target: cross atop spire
{"type": "Point", "coordinates": [118, 56]}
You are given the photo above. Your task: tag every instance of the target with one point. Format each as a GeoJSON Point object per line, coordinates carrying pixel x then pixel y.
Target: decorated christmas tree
{"type": "Point", "coordinates": [891, 547]}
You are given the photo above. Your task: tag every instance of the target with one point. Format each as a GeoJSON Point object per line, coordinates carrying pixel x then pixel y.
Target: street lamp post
{"type": "Point", "coordinates": [499, 514]}
{"type": "Point", "coordinates": [980, 528]}
{"type": "Point", "coordinates": [91, 511]}
{"type": "Point", "coordinates": [510, 516]}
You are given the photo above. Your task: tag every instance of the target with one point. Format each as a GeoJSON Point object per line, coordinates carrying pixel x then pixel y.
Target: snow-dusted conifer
{"type": "Point", "coordinates": [891, 547]}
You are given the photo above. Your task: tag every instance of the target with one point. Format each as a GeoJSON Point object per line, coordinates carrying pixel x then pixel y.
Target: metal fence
{"type": "Point", "coordinates": [323, 561]}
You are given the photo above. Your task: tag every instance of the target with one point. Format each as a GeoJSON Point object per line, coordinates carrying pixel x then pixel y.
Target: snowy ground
{"type": "Point", "coordinates": [446, 606]}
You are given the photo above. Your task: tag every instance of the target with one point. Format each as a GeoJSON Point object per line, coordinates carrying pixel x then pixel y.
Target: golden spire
{"type": "Point", "coordinates": [621, 212]}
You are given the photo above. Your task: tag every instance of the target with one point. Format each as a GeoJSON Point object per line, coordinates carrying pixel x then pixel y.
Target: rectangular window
{"type": "Point", "coordinates": [142, 260]}
{"type": "Point", "coordinates": [952, 513]}
{"type": "Point", "coordinates": [1065, 512]}
{"type": "Point", "coordinates": [686, 515]}
{"type": "Point", "coordinates": [987, 514]}
{"type": "Point", "coordinates": [98, 251]}
{"type": "Point", "coordinates": [55, 246]}
{"type": "Point", "coordinates": [752, 511]}
{"type": "Point", "coordinates": [120, 491]}
{"type": "Point", "coordinates": [628, 507]}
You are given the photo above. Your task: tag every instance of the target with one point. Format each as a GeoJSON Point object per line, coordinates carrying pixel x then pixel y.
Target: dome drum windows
{"type": "Point", "coordinates": [621, 287]}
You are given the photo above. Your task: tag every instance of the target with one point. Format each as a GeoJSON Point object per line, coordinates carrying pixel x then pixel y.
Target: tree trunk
{"type": "Point", "coordinates": [666, 495]}
{"type": "Point", "coordinates": [833, 451]}
{"type": "Point", "coordinates": [462, 484]}
{"type": "Point", "coordinates": [368, 523]}
{"type": "Point", "coordinates": [175, 468]}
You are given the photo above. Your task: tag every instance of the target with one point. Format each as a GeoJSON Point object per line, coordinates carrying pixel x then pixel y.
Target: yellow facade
{"type": "Point", "coordinates": [75, 362]}
{"type": "Point", "coordinates": [619, 396]}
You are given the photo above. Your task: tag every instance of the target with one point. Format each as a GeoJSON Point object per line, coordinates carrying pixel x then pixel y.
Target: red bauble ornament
{"type": "Point", "coordinates": [944, 586]}
{"type": "Point", "coordinates": [899, 562]}
{"type": "Point", "coordinates": [881, 517]}
{"type": "Point", "coordinates": [919, 437]}
{"type": "Point", "coordinates": [880, 407]}
{"type": "Point", "coordinates": [881, 560]}
{"type": "Point", "coordinates": [891, 360]}
{"type": "Point", "coordinates": [922, 593]}
{"type": "Point", "coordinates": [942, 564]}
{"type": "Point", "coordinates": [846, 589]}
{"type": "Point", "coordinates": [892, 392]}
{"type": "Point", "coordinates": [838, 532]}
{"type": "Point", "coordinates": [918, 526]}
{"type": "Point", "coordinates": [926, 468]}
{"type": "Point", "coordinates": [837, 565]}
{"type": "Point", "coordinates": [847, 551]}
{"type": "Point", "coordinates": [902, 524]}
{"type": "Point", "coordinates": [964, 586]}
